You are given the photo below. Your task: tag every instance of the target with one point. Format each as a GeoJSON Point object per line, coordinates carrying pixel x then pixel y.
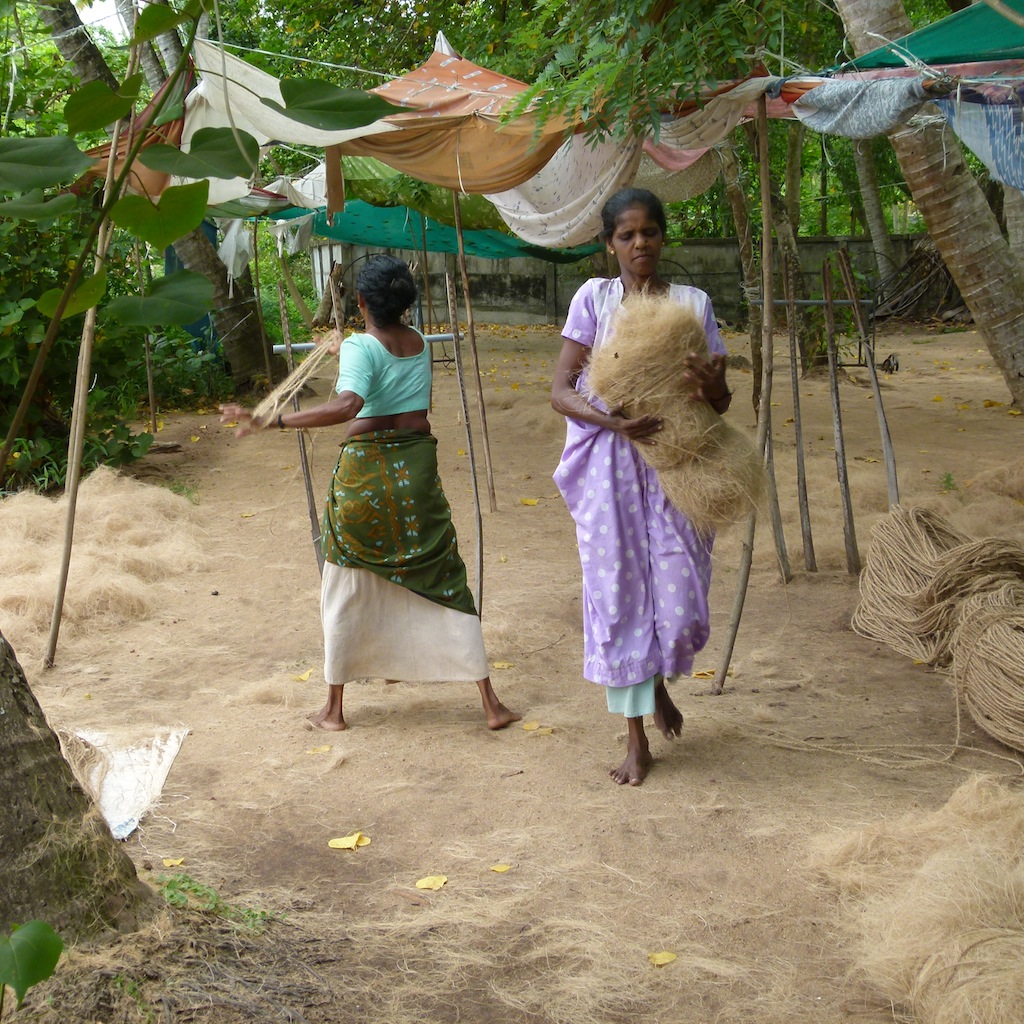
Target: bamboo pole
{"type": "Point", "coordinates": [150, 386]}
{"type": "Point", "coordinates": [764, 405]}
{"type": "Point", "coordinates": [426, 276]}
{"type": "Point", "coordinates": [471, 334]}
{"type": "Point", "coordinates": [257, 298]}
{"type": "Point", "coordinates": [453, 316]}
{"type": "Point", "coordinates": [846, 270]}
{"type": "Point", "coordinates": [810, 562]}
{"type": "Point", "coordinates": [839, 442]}
{"type": "Point", "coordinates": [307, 478]}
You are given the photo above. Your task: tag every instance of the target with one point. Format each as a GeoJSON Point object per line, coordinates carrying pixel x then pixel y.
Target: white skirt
{"type": "Point", "coordinates": [374, 629]}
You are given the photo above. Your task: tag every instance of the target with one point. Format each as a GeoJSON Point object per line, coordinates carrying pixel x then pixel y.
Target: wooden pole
{"type": "Point", "coordinates": [307, 478]}
{"type": "Point", "coordinates": [764, 405]}
{"type": "Point", "coordinates": [257, 297]}
{"type": "Point", "coordinates": [810, 562]}
{"type": "Point", "coordinates": [846, 270]}
{"type": "Point", "coordinates": [453, 316]}
{"type": "Point", "coordinates": [426, 276]}
{"type": "Point", "coordinates": [839, 443]}
{"type": "Point", "coordinates": [150, 387]}
{"type": "Point", "coordinates": [471, 334]}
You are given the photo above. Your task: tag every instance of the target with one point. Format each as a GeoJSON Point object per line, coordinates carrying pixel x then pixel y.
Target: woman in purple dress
{"type": "Point", "coordinates": [646, 571]}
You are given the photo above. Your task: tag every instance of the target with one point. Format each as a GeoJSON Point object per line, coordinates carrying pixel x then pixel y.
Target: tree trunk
{"type": "Point", "coordinates": [1013, 210]}
{"type": "Point", "coordinates": [794, 173]}
{"type": "Point", "coordinates": [152, 67]}
{"type": "Point", "coordinates": [751, 274]}
{"type": "Point", "coordinates": [885, 253]}
{"type": "Point", "coordinates": [58, 860]}
{"type": "Point", "coordinates": [959, 220]}
{"type": "Point", "coordinates": [234, 308]}
{"type": "Point", "coordinates": [74, 43]}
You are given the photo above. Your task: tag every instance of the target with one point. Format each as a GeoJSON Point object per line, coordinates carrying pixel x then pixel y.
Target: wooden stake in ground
{"type": "Point", "coordinates": [810, 562]}
{"type": "Point", "coordinates": [453, 316]}
{"type": "Point", "coordinates": [849, 533]}
{"type": "Point", "coordinates": [763, 406]}
{"type": "Point", "coordinates": [471, 334]}
{"type": "Point", "coordinates": [846, 270]}
{"type": "Point", "coordinates": [307, 478]}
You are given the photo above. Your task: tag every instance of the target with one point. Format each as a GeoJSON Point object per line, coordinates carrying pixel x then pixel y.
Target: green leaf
{"type": "Point", "coordinates": [87, 295]}
{"type": "Point", "coordinates": [28, 956]}
{"type": "Point", "coordinates": [95, 105]}
{"type": "Point", "coordinates": [181, 298]}
{"type": "Point", "coordinates": [155, 20]}
{"type": "Point", "coordinates": [32, 206]}
{"type": "Point", "coordinates": [326, 106]}
{"type": "Point", "coordinates": [39, 162]}
{"type": "Point", "coordinates": [181, 208]}
{"type": "Point", "coordinates": [213, 153]}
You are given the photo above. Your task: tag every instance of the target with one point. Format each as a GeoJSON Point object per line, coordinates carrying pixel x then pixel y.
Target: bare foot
{"type": "Point", "coordinates": [330, 717]}
{"type": "Point", "coordinates": [633, 770]}
{"type": "Point", "coordinates": [667, 717]}
{"type": "Point", "coordinates": [322, 720]}
{"type": "Point", "coordinates": [498, 716]}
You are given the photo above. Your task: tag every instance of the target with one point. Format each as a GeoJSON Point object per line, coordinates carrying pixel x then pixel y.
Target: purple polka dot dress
{"type": "Point", "coordinates": [646, 571]}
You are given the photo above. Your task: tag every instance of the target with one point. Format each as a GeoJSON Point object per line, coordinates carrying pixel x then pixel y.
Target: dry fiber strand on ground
{"type": "Point", "coordinates": [129, 538]}
{"type": "Point", "coordinates": [935, 906]}
{"type": "Point", "coordinates": [939, 597]}
{"type": "Point", "coordinates": [708, 469]}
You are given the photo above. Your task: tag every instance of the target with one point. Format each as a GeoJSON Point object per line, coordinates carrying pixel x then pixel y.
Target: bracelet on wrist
{"type": "Point", "coordinates": [722, 397]}
{"type": "Point", "coordinates": [280, 421]}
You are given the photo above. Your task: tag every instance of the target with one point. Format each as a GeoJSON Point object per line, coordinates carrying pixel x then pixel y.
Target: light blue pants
{"type": "Point", "coordinates": [632, 701]}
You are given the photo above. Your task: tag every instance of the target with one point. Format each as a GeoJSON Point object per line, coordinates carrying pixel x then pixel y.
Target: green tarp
{"type": "Point", "coordinates": [977, 33]}
{"type": "Point", "coordinates": [398, 227]}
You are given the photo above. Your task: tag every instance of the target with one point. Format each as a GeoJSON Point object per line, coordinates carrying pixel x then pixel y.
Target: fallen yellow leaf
{"type": "Point", "coordinates": [195, 437]}
{"type": "Point", "coordinates": [1013, 412]}
{"type": "Point", "coordinates": [528, 501]}
{"type": "Point", "coordinates": [964, 405]}
{"type": "Point", "coordinates": [705, 673]}
{"type": "Point", "coordinates": [349, 842]}
{"type": "Point", "coordinates": [662, 958]}
{"type": "Point", "coordinates": [173, 862]}
{"type": "Point", "coordinates": [233, 423]}
{"type": "Point", "coordinates": [545, 730]}
{"type": "Point", "coordinates": [432, 882]}
{"type": "Point", "coordinates": [502, 664]}
{"type": "Point", "coordinates": [990, 404]}
{"type": "Point", "coordinates": [319, 750]}
{"type": "Point", "coordinates": [503, 559]}
{"type": "Point", "coordinates": [248, 515]}
{"type": "Point", "coordinates": [500, 868]}
{"type": "Point", "coordinates": [530, 726]}
{"type": "Point", "coordinates": [938, 398]}
{"type": "Point", "coordinates": [303, 677]}
{"type": "Point", "coordinates": [461, 451]}
{"type": "Point", "coordinates": [87, 696]}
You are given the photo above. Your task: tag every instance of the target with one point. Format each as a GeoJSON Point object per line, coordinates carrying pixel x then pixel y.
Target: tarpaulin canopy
{"type": "Point", "coordinates": [977, 33]}
{"type": "Point", "coordinates": [402, 228]}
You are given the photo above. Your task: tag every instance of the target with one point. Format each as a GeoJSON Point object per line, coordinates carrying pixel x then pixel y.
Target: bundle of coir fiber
{"type": "Point", "coordinates": [708, 469]}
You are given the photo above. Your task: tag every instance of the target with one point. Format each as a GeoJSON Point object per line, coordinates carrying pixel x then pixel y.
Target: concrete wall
{"type": "Point", "coordinates": [527, 290]}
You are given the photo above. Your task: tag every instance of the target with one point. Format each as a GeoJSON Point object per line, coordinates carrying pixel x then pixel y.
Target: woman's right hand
{"type": "Point", "coordinates": [232, 413]}
{"type": "Point", "coordinates": [640, 430]}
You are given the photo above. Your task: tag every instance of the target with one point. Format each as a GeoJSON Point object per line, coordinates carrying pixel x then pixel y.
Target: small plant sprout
{"type": "Point", "coordinates": [947, 484]}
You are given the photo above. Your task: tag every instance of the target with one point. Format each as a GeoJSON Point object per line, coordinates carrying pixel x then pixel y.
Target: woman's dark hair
{"type": "Point", "coordinates": [387, 288]}
{"type": "Point", "coordinates": [625, 199]}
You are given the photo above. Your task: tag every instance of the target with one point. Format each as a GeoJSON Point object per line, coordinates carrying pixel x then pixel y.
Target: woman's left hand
{"type": "Point", "coordinates": [705, 378]}
{"type": "Point", "coordinates": [231, 413]}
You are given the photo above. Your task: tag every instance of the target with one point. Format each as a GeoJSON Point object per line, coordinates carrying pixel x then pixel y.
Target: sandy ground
{"type": "Point", "coordinates": [818, 730]}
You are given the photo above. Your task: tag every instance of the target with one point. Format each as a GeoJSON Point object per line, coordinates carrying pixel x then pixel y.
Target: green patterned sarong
{"type": "Point", "coordinates": [386, 512]}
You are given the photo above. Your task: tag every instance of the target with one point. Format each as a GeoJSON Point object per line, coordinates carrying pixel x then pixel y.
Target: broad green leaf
{"type": "Point", "coordinates": [213, 153]}
{"type": "Point", "coordinates": [181, 298]}
{"type": "Point", "coordinates": [32, 206]}
{"type": "Point", "coordinates": [39, 162]}
{"type": "Point", "coordinates": [94, 106]}
{"type": "Point", "coordinates": [28, 956]}
{"type": "Point", "coordinates": [87, 295]}
{"type": "Point", "coordinates": [329, 107]}
{"type": "Point", "coordinates": [155, 20]}
{"type": "Point", "coordinates": [181, 208]}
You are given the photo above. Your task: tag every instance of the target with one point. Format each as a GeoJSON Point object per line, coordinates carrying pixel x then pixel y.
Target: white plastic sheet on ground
{"type": "Point", "coordinates": [123, 775]}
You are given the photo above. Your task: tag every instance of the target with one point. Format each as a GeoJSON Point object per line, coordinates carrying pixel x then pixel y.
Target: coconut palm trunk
{"type": "Point", "coordinates": [954, 208]}
{"type": "Point", "coordinates": [58, 860]}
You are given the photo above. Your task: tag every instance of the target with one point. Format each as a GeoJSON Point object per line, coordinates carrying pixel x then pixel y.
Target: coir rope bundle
{"type": "Point", "coordinates": [708, 469]}
{"type": "Point", "coordinates": [938, 597]}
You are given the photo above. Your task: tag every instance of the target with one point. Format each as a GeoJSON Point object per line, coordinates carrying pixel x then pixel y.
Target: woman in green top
{"type": "Point", "coordinates": [395, 602]}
